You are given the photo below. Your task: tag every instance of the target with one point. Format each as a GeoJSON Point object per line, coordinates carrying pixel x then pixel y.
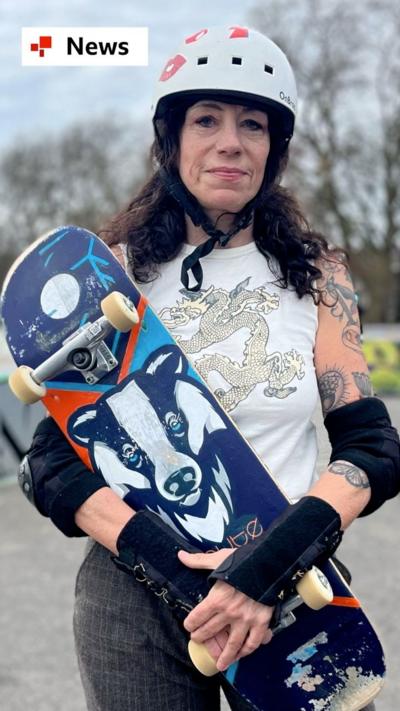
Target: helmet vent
{"type": "Point", "coordinates": [202, 60]}
{"type": "Point", "coordinates": [236, 60]}
{"type": "Point", "coordinates": [268, 69]}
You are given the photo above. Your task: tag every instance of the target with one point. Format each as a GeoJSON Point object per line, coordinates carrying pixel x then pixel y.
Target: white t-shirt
{"type": "Point", "coordinates": [253, 343]}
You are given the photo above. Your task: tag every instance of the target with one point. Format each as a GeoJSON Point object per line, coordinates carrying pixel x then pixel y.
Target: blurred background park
{"type": "Point", "coordinates": [74, 141]}
{"type": "Point", "coordinates": [74, 145]}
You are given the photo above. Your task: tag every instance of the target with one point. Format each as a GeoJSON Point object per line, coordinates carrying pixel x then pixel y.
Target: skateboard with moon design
{"type": "Point", "coordinates": [88, 344]}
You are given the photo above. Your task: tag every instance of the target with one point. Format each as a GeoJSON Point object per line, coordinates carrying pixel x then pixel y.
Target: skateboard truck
{"type": "Point", "coordinates": [85, 350]}
{"type": "Point", "coordinates": [313, 589]}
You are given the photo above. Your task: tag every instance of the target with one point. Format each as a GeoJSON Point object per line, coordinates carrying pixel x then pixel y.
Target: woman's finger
{"type": "Point", "coordinates": [216, 644]}
{"type": "Point", "coordinates": [257, 636]}
{"type": "Point", "coordinates": [234, 643]}
{"type": "Point", "coordinates": [206, 561]}
{"type": "Point", "coordinates": [267, 636]}
{"type": "Point", "coordinates": [211, 628]}
{"type": "Point", "coordinates": [216, 601]}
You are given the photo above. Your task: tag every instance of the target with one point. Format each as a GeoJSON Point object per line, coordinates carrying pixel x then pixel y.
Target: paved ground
{"type": "Point", "coordinates": [37, 569]}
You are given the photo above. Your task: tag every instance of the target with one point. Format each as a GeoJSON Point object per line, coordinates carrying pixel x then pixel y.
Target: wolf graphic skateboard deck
{"type": "Point", "coordinates": [135, 410]}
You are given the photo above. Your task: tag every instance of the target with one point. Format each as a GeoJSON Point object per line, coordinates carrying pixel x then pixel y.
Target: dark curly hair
{"type": "Point", "coordinates": [153, 224]}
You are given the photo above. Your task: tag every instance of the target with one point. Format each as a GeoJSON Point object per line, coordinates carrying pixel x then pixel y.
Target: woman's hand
{"type": "Point", "coordinates": [227, 615]}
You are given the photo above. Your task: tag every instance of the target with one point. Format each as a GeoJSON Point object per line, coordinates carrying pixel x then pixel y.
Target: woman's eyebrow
{"type": "Point", "coordinates": [207, 105]}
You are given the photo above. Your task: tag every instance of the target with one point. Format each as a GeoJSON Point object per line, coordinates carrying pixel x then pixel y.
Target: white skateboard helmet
{"type": "Point", "coordinates": [235, 63]}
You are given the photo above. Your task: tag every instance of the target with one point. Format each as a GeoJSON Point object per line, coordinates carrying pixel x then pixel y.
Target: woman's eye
{"type": "Point", "coordinates": [175, 423]}
{"type": "Point", "coordinates": [205, 121]}
{"type": "Point", "coordinates": [253, 125]}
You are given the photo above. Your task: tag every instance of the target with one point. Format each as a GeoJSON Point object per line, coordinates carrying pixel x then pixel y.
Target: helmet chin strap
{"type": "Point", "coordinates": [193, 209]}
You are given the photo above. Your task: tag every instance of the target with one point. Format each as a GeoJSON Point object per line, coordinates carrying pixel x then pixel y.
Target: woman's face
{"type": "Point", "coordinates": [223, 153]}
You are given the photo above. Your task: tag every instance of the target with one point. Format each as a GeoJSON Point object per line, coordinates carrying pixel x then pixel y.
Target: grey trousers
{"type": "Point", "coordinates": [132, 653]}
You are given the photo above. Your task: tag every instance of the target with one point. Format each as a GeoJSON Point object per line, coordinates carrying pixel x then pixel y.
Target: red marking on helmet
{"type": "Point", "coordinates": [198, 35]}
{"type": "Point", "coordinates": [172, 66]}
{"type": "Point", "coordinates": [238, 32]}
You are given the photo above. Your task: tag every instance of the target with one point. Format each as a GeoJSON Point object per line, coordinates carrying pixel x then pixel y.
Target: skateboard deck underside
{"type": "Point", "coordinates": [161, 440]}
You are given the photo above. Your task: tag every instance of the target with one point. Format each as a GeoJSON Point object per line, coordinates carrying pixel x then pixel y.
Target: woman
{"type": "Point", "coordinates": [267, 312]}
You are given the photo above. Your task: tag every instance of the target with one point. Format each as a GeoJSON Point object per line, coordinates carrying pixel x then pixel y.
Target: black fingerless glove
{"type": "Point", "coordinates": [306, 533]}
{"type": "Point", "coordinates": [147, 549]}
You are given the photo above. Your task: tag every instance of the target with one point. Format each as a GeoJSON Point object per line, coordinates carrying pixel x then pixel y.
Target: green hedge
{"type": "Point", "coordinates": [383, 358]}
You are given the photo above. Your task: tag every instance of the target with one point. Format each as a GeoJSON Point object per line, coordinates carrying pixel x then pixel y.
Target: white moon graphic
{"type": "Point", "coordinates": [60, 296]}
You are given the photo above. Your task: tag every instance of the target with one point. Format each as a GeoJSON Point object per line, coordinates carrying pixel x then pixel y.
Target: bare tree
{"type": "Point", "coordinates": [345, 162]}
{"type": "Point", "coordinates": [82, 177]}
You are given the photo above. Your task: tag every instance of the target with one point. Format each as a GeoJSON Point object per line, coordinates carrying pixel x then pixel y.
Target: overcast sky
{"type": "Point", "coordinates": [33, 100]}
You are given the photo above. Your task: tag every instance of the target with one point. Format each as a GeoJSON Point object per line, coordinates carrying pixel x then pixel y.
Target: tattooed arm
{"type": "Point", "coordinates": [342, 371]}
{"type": "Point", "coordinates": [342, 375]}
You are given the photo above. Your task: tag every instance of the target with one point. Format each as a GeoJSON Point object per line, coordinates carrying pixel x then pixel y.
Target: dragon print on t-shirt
{"type": "Point", "coordinates": [219, 314]}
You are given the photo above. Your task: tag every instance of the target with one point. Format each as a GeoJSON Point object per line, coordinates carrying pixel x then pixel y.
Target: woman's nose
{"type": "Point", "coordinates": [228, 139]}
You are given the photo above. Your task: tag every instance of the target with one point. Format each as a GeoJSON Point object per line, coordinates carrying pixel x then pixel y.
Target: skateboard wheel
{"type": "Point", "coordinates": [24, 387]}
{"type": "Point", "coordinates": [119, 311]}
{"type": "Point", "coordinates": [314, 589]}
{"type": "Point", "coordinates": [202, 659]}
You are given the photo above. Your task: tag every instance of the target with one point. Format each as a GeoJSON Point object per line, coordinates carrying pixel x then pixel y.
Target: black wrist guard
{"type": "Point", "coordinates": [306, 533]}
{"type": "Point", "coordinates": [54, 479]}
{"type": "Point", "coordinates": [147, 549]}
{"type": "Point", "coordinates": [361, 433]}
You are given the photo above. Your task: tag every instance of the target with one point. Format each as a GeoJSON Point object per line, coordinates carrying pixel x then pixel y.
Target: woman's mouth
{"type": "Point", "coordinates": [227, 173]}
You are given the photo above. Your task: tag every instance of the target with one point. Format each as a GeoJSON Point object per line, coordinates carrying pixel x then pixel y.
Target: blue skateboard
{"type": "Point", "coordinates": [89, 345]}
